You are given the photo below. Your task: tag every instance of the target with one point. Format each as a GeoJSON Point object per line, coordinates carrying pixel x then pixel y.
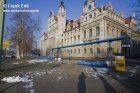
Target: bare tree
{"type": "Point", "coordinates": [22, 30]}
{"type": "Point", "coordinates": [136, 7]}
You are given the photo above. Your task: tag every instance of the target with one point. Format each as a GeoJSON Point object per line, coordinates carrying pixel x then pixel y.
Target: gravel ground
{"type": "Point", "coordinates": [66, 77]}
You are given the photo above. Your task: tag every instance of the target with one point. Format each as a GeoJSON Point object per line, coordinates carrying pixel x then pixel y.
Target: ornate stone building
{"type": "Point", "coordinates": [96, 23]}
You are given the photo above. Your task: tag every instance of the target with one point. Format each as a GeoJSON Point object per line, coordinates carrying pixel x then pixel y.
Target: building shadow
{"type": "Point", "coordinates": [107, 86]}
{"type": "Point", "coordinates": [131, 83]}
{"type": "Point", "coordinates": [82, 83]}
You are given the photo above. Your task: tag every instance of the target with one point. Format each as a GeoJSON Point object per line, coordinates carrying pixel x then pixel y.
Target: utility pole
{"type": "Point", "coordinates": [2, 17]}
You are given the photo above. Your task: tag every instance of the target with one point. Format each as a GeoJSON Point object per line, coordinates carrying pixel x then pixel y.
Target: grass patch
{"type": "Point", "coordinates": [15, 60]}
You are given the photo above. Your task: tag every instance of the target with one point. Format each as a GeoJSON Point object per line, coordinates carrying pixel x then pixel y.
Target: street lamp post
{"type": "Point", "coordinates": [2, 17]}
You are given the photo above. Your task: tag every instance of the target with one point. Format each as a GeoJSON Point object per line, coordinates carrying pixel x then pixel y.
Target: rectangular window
{"type": "Point", "coordinates": [62, 41]}
{"type": "Point", "coordinates": [91, 50]}
{"type": "Point", "coordinates": [71, 51]}
{"type": "Point", "coordinates": [97, 31]}
{"type": "Point", "coordinates": [78, 51]}
{"type": "Point", "coordinates": [107, 31]}
{"type": "Point", "coordinates": [90, 32]}
{"type": "Point", "coordinates": [98, 50]}
{"type": "Point", "coordinates": [90, 16]}
{"type": "Point", "coordinates": [94, 14]}
{"type": "Point", "coordinates": [78, 37]}
{"type": "Point", "coordinates": [85, 50]}
{"type": "Point", "coordinates": [85, 18]}
{"type": "Point", "coordinates": [75, 51]}
{"type": "Point", "coordinates": [68, 41]}
{"type": "Point", "coordinates": [74, 39]}
{"type": "Point", "coordinates": [71, 40]}
{"type": "Point", "coordinates": [84, 34]}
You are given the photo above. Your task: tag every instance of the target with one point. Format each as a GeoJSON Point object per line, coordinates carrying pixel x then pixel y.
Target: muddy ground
{"type": "Point", "coordinates": [68, 77]}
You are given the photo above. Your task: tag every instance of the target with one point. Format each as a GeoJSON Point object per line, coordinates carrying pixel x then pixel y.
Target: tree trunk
{"type": "Point", "coordinates": [21, 51]}
{"type": "Point", "coordinates": [17, 52]}
{"type": "Point", "coordinates": [22, 54]}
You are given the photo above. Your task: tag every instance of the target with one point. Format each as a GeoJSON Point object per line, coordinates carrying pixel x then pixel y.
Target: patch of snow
{"type": "Point", "coordinates": [88, 70]}
{"type": "Point", "coordinates": [16, 63]}
{"type": "Point", "coordinates": [122, 78]}
{"type": "Point", "coordinates": [95, 75]}
{"type": "Point", "coordinates": [36, 73]}
{"type": "Point", "coordinates": [112, 81]}
{"type": "Point", "coordinates": [17, 79]}
{"type": "Point", "coordinates": [100, 74]}
{"type": "Point", "coordinates": [58, 71]}
{"type": "Point", "coordinates": [92, 73]}
{"type": "Point", "coordinates": [118, 76]}
{"type": "Point", "coordinates": [32, 91]}
{"type": "Point", "coordinates": [59, 78]}
{"type": "Point", "coordinates": [104, 70]}
{"type": "Point", "coordinates": [133, 71]}
{"type": "Point", "coordinates": [38, 61]}
{"type": "Point", "coordinates": [66, 77]}
{"type": "Point", "coordinates": [30, 85]}
{"type": "Point", "coordinates": [99, 70]}
{"type": "Point", "coordinates": [138, 66]}
{"type": "Point", "coordinates": [132, 75]}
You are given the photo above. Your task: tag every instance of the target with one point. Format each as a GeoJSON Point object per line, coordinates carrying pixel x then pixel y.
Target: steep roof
{"type": "Point", "coordinates": [71, 22]}
{"type": "Point", "coordinates": [55, 17]}
{"type": "Point", "coordinates": [128, 20]}
{"type": "Point", "coordinates": [45, 35]}
{"type": "Point", "coordinates": [77, 21]}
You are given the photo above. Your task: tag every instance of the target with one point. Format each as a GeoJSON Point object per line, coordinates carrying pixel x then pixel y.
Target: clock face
{"type": "Point", "coordinates": [89, 7]}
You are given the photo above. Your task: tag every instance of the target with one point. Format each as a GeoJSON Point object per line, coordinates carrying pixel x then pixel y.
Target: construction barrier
{"type": "Point", "coordinates": [120, 63]}
{"type": "Point", "coordinates": [99, 64]}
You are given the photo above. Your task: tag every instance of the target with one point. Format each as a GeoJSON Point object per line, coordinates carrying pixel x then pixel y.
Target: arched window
{"type": "Point", "coordinates": [89, 7]}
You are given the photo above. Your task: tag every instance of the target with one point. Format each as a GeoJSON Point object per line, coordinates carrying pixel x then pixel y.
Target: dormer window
{"type": "Point", "coordinates": [90, 16]}
{"type": "Point", "coordinates": [94, 14]}
{"type": "Point", "coordinates": [89, 7]}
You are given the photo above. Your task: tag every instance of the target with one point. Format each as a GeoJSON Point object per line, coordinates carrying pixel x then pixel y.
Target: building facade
{"type": "Point", "coordinates": [96, 23]}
